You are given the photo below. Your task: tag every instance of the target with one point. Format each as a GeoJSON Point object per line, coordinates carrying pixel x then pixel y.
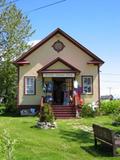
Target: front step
{"type": "Point", "coordinates": [64, 111]}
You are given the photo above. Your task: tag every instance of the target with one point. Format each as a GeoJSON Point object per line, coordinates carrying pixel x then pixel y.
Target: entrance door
{"type": "Point", "coordinates": [62, 90]}
{"type": "Point", "coordinates": [58, 90]}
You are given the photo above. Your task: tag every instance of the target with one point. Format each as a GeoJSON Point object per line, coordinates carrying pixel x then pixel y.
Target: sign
{"type": "Point", "coordinates": [58, 75]}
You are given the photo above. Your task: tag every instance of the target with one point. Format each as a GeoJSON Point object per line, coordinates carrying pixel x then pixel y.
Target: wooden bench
{"type": "Point", "coordinates": [107, 136]}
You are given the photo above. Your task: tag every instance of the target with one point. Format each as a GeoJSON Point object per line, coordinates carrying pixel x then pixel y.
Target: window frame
{"type": "Point", "coordinates": [25, 85]}
{"type": "Point", "coordinates": [91, 77]}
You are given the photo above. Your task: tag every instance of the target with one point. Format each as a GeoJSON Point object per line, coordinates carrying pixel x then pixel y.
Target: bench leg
{"type": "Point", "coordinates": [114, 151]}
{"type": "Point", "coordinates": [95, 142]}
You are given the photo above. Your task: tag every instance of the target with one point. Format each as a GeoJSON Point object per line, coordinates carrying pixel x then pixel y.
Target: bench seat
{"type": "Point", "coordinates": [108, 137]}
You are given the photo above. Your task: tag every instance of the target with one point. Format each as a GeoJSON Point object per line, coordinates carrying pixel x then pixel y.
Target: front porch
{"type": "Point", "coordinates": [58, 78]}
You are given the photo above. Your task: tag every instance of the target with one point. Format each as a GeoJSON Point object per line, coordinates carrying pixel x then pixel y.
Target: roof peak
{"type": "Point", "coordinates": [64, 34]}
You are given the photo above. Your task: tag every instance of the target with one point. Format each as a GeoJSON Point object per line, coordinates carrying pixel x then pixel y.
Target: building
{"type": "Point", "coordinates": [51, 67]}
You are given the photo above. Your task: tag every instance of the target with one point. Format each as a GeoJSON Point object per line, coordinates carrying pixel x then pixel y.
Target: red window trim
{"type": "Point", "coordinates": [92, 83]}
{"type": "Point", "coordinates": [34, 86]}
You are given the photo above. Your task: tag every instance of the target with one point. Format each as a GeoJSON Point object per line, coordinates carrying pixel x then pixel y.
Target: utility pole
{"type": "Point", "coordinates": [110, 88]}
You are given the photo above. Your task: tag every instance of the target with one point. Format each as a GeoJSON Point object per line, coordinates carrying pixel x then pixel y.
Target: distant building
{"type": "Point", "coordinates": [107, 97]}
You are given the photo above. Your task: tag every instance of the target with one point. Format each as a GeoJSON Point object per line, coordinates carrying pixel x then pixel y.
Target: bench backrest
{"type": "Point", "coordinates": [103, 133]}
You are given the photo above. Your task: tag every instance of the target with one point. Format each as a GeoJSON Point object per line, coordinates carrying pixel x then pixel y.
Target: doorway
{"type": "Point", "coordinates": [62, 90]}
{"type": "Point", "coordinates": [58, 91]}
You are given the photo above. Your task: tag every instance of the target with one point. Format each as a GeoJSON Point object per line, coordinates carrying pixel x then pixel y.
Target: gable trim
{"type": "Point", "coordinates": [58, 30]}
{"type": "Point", "coordinates": [58, 59]}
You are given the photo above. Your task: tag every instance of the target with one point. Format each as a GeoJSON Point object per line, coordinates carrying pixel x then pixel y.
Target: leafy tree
{"type": "Point", "coordinates": [15, 31]}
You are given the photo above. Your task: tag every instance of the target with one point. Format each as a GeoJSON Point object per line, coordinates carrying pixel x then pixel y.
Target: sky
{"type": "Point", "coordinates": [93, 23]}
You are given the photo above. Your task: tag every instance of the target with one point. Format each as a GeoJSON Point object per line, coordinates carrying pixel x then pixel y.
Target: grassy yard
{"type": "Point", "coordinates": [70, 141]}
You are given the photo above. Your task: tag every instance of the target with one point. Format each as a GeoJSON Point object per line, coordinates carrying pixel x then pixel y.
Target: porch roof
{"type": "Point", "coordinates": [46, 69]}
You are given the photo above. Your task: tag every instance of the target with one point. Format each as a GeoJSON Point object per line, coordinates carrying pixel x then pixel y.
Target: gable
{"type": "Point", "coordinates": [59, 33]}
{"type": "Point", "coordinates": [58, 65]}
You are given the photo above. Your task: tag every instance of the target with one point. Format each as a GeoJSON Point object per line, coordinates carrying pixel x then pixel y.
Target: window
{"type": "Point", "coordinates": [87, 84]}
{"type": "Point", "coordinates": [29, 85]}
{"type": "Point", "coordinates": [69, 84]}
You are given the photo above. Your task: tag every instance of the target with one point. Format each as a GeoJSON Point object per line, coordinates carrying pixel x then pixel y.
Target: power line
{"type": "Point", "coordinates": [14, 1]}
{"type": "Point", "coordinates": [107, 81]}
{"type": "Point", "coordinates": [45, 6]}
{"type": "Point", "coordinates": [113, 74]}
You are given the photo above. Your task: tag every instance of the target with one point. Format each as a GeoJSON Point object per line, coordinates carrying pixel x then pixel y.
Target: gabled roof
{"type": "Point", "coordinates": [58, 59]}
{"type": "Point", "coordinates": [58, 30]}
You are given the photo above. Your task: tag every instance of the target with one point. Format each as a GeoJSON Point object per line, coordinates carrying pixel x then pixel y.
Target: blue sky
{"type": "Point", "coordinates": [94, 23]}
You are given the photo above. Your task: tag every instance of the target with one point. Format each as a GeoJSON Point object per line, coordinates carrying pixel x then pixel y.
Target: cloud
{"type": "Point", "coordinates": [33, 42]}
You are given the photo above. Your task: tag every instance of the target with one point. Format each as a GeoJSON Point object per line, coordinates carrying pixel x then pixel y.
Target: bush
{"type": "Point", "coordinates": [109, 107]}
{"type": "Point", "coordinates": [116, 115]}
{"type": "Point", "coordinates": [12, 110]}
{"type": "Point", "coordinates": [2, 108]}
{"type": "Point", "coordinates": [88, 111]}
{"type": "Point", "coordinates": [11, 107]}
{"type": "Point", "coordinates": [7, 146]}
{"type": "Point", "coordinates": [46, 114]}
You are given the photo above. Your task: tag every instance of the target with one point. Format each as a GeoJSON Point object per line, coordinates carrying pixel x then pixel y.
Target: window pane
{"type": "Point", "coordinates": [87, 84]}
{"type": "Point", "coordinates": [29, 85]}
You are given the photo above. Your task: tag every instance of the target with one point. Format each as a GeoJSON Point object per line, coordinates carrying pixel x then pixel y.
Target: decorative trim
{"type": "Point", "coordinates": [18, 73]}
{"type": "Point", "coordinates": [58, 46]}
{"type": "Point", "coordinates": [58, 71]}
{"type": "Point", "coordinates": [94, 62]}
{"type": "Point", "coordinates": [99, 85]}
{"type": "Point", "coordinates": [59, 75]}
{"type": "Point", "coordinates": [56, 60]}
{"type": "Point", "coordinates": [23, 62]}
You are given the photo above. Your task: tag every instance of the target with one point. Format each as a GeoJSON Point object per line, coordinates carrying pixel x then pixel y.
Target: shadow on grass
{"type": "Point", "coordinates": [76, 135]}
{"type": "Point", "coordinates": [86, 141]}
{"type": "Point", "coordinates": [100, 151]}
{"type": "Point", "coordinates": [10, 115]}
{"type": "Point", "coordinates": [16, 115]}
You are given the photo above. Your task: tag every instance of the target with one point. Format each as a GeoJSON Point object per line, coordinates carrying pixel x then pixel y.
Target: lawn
{"type": "Point", "coordinates": [72, 140]}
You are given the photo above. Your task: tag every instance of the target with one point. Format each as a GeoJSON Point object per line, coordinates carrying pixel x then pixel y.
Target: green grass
{"type": "Point", "coordinates": [67, 142]}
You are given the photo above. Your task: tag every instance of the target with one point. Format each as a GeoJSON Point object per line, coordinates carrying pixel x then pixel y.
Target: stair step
{"type": "Point", "coordinates": [73, 115]}
{"type": "Point", "coordinates": [64, 111]}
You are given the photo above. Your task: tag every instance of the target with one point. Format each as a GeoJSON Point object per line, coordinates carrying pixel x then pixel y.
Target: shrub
{"type": "Point", "coordinates": [88, 111]}
{"type": "Point", "coordinates": [46, 114]}
{"type": "Point", "coordinates": [9, 108]}
{"type": "Point", "coordinates": [116, 115]}
{"type": "Point", "coordinates": [2, 109]}
{"type": "Point", "coordinates": [7, 146]}
{"type": "Point", "coordinates": [109, 107]}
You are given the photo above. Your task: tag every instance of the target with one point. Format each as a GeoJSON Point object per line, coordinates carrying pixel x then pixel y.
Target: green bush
{"type": "Point", "coordinates": [46, 114]}
{"type": "Point", "coordinates": [2, 108]}
{"type": "Point", "coordinates": [109, 107]}
{"type": "Point", "coordinates": [13, 110]}
{"type": "Point", "coordinates": [87, 111]}
{"type": "Point", "coordinates": [7, 146]}
{"type": "Point", "coordinates": [116, 115]}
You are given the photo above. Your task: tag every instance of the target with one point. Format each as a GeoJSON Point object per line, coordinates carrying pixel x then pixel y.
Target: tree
{"type": "Point", "coordinates": [15, 31]}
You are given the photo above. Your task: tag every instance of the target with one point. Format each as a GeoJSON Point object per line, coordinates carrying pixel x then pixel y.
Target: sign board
{"type": "Point", "coordinates": [58, 75]}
